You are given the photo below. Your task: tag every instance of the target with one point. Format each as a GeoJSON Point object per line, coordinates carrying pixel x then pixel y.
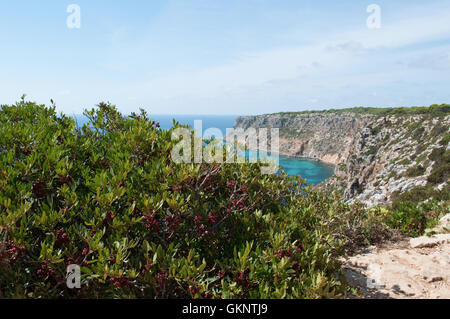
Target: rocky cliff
{"type": "Point", "coordinates": [378, 155]}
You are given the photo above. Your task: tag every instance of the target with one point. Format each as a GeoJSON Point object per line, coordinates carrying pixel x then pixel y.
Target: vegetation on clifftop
{"type": "Point", "coordinates": [434, 110]}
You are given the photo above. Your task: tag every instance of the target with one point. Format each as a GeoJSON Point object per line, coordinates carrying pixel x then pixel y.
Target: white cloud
{"type": "Point", "coordinates": [437, 61]}
{"type": "Point", "coordinates": [283, 71]}
{"type": "Point", "coordinates": [65, 92]}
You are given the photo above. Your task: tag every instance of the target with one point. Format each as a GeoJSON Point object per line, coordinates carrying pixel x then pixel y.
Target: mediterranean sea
{"type": "Point", "coordinates": [312, 170]}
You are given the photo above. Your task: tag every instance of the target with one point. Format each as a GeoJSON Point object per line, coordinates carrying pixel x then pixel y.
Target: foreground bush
{"type": "Point", "coordinates": [109, 198]}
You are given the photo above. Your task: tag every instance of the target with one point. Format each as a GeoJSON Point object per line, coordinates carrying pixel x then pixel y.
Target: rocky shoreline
{"type": "Point", "coordinates": [375, 157]}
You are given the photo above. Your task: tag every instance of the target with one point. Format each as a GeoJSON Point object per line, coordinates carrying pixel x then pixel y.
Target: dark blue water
{"type": "Point", "coordinates": [313, 171]}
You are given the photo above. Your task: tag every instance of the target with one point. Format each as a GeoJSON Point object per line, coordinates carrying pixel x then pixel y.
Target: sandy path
{"type": "Point", "coordinates": [418, 268]}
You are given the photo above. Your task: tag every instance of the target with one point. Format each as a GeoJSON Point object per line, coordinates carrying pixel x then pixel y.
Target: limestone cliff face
{"type": "Point", "coordinates": [375, 156]}
{"type": "Point", "coordinates": [327, 137]}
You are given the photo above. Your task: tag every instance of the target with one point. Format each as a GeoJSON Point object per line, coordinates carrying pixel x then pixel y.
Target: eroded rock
{"type": "Point", "coordinates": [422, 271]}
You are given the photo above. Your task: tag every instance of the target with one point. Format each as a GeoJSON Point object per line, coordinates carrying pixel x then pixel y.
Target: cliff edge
{"type": "Point", "coordinates": [379, 154]}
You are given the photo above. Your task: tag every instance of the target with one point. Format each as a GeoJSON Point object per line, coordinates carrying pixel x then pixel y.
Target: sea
{"type": "Point", "coordinates": [313, 171]}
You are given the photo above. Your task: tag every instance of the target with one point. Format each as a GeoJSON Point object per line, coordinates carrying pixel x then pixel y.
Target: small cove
{"type": "Point", "coordinates": [312, 170]}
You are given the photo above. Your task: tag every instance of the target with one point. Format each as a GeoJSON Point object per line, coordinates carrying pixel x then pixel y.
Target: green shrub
{"type": "Point", "coordinates": [441, 167]}
{"type": "Point", "coordinates": [412, 219]}
{"type": "Point", "coordinates": [372, 151]}
{"type": "Point", "coordinates": [408, 218]}
{"type": "Point", "coordinates": [445, 140]}
{"type": "Point", "coordinates": [436, 154]}
{"type": "Point", "coordinates": [421, 193]}
{"type": "Point", "coordinates": [420, 148]}
{"type": "Point", "coordinates": [432, 110]}
{"type": "Point", "coordinates": [109, 198]}
{"type": "Point", "coordinates": [358, 227]}
{"type": "Point", "coordinates": [405, 161]}
{"type": "Point", "coordinates": [414, 171]}
{"type": "Point", "coordinates": [440, 174]}
{"type": "Point", "coordinates": [418, 133]}
{"type": "Point", "coordinates": [438, 130]}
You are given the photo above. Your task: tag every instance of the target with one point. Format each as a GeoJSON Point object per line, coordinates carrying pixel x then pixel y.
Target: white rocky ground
{"type": "Point", "coordinates": [415, 268]}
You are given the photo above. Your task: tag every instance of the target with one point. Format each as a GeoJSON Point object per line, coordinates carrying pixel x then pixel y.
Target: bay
{"type": "Point", "coordinates": [312, 170]}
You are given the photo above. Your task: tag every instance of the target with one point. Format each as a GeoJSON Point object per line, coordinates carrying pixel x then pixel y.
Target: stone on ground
{"type": "Point", "coordinates": [420, 269]}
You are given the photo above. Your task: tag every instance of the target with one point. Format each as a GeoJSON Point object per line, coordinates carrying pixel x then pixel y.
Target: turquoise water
{"type": "Point", "coordinates": [313, 171]}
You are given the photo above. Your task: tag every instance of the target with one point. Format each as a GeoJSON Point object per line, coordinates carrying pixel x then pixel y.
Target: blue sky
{"type": "Point", "coordinates": [225, 57]}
